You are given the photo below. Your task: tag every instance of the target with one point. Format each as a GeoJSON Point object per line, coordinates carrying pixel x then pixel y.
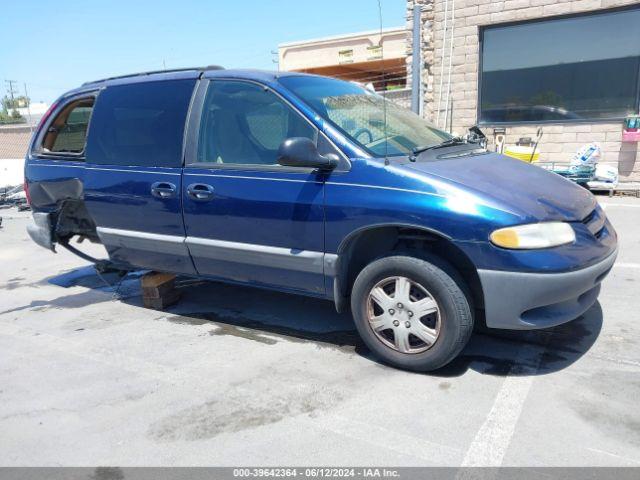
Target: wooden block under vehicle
{"type": "Point", "coordinates": [155, 279]}
{"type": "Point", "coordinates": [158, 290]}
{"type": "Point", "coordinates": [160, 303]}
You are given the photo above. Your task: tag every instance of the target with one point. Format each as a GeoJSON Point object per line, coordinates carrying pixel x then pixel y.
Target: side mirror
{"type": "Point", "coordinates": [302, 152]}
{"type": "Point", "coordinates": [476, 135]}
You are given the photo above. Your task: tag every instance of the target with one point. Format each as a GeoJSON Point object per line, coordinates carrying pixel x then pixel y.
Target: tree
{"type": "Point", "coordinates": [9, 112]}
{"type": "Point", "coordinates": [9, 103]}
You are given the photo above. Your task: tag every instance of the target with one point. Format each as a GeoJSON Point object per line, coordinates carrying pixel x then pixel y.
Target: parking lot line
{"type": "Point", "coordinates": [617, 360]}
{"type": "Point", "coordinates": [490, 444]}
{"type": "Point", "coordinates": [432, 452]}
{"type": "Point", "coordinates": [614, 455]}
{"type": "Point", "coordinates": [626, 265]}
{"type": "Point", "coordinates": [626, 205]}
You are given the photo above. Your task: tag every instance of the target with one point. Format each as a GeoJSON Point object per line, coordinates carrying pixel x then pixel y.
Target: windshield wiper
{"type": "Point", "coordinates": [445, 143]}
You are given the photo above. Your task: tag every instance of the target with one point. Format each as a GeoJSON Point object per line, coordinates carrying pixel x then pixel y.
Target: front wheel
{"type": "Point", "coordinates": [411, 312]}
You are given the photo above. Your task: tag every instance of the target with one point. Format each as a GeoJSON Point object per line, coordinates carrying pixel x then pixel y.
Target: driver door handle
{"type": "Point", "coordinates": [200, 192]}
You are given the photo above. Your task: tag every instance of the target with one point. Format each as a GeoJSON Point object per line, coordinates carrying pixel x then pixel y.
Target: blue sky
{"type": "Point", "coordinates": [55, 46]}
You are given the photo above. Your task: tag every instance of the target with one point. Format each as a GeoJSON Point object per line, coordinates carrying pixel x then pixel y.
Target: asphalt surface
{"type": "Point", "coordinates": [233, 376]}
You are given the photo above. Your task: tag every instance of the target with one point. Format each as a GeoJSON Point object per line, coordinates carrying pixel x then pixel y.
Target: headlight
{"type": "Point", "coordinates": [534, 235]}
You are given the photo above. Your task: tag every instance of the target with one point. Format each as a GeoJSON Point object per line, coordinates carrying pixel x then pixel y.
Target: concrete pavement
{"type": "Point", "coordinates": [234, 376]}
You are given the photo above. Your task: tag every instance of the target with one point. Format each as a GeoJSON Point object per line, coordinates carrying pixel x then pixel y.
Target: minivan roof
{"type": "Point", "coordinates": [211, 71]}
{"type": "Point", "coordinates": [155, 72]}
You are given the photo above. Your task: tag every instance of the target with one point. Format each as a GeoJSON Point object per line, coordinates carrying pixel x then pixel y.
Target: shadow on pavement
{"type": "Point", "coordinates": [533, 352]}
{"type": "Point", "coordinates": [253, 313]}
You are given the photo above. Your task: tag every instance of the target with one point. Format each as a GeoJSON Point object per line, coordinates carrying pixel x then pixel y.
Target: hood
{"type": "Point", "coordinates": [522, 187]}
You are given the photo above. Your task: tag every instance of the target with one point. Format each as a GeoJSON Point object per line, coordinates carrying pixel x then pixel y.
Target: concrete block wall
{"type": "Point", "coordinates": [559, 141]}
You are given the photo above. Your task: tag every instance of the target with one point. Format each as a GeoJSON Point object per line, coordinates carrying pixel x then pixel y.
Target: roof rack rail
{"type": "Point", "coordinates": [153, 72]}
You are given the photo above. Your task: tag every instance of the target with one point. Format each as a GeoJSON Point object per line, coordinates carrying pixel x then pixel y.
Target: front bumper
{"type": "Point", "coordinates": [526, 301]}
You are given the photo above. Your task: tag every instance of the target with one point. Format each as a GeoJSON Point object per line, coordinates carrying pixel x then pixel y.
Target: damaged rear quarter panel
{"type": "Point", "coordinates": [52, 182]}
{"type": "Point", "coordinates": [56, 188]}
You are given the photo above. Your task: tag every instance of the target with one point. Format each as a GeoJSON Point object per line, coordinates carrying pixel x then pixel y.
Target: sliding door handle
{"type": "Point", "coordinates": [201, 192]}
{"type": "Point", "coordinates": [163, 190]}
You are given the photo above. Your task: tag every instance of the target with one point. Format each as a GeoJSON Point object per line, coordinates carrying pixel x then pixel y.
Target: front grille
{"type": "Point", "coordinates": [589, 217]}
{"type": "Point", "coordinates": [595, 222]}
{"type": "Point", "coordinates": [599, 233]}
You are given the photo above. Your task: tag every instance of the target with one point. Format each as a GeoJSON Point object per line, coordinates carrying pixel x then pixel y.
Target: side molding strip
{"type": "Point", "coordinates": [262, 255]}
{"type": "Point", "coordinates": [155, 242]}
{"type": "Point", "coordinates": [234, 252]}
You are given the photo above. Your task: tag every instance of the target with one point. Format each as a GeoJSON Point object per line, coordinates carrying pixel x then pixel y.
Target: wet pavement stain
{"type": "Point", "coordinates": [247, 334]}
{"type": "Point", "coordinates": [184, 320]}
{"type": "Point", "coordinates": [233, 323]}
{"type": "Point", "coordinates": [88, 277]}
{"type": "Point", "coordinates": [257, 407]}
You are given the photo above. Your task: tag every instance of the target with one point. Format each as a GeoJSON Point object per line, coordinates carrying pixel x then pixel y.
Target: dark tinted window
{"type": "Point", "coordinates": [140, 124]}
{"type": "Point", "coordinates": [242, 123]}
{"type": "Point", "coordinates": [67, 133]}
{"type": "Point", "coordinates": [583, 67]}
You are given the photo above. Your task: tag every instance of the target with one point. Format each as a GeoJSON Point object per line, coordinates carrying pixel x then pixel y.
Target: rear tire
{"type": "Point", "coordinates": [411, 313]}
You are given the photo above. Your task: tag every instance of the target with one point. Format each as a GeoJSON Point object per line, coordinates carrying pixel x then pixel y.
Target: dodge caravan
{"type": "Point", "coordinates": [319, 187]}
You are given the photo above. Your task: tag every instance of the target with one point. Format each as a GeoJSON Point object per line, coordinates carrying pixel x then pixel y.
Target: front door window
{"type": "Point", "coordinates": [244, 124]}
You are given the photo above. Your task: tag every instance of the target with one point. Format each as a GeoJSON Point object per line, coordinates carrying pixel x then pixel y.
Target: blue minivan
{"type": "Point", "coordinates": [319, 187]}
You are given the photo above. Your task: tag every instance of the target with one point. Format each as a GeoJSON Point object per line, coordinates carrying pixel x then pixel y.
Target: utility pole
{"type": "Point", "coordinates": [415, 60]}
{"type": "Point", "coordinates": [28, 100]}
{"type": "Point", "coordinates": [12, 91]}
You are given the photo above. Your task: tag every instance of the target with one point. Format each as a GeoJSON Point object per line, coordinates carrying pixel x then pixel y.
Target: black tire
{"type": "Point", "coordinates": [443, 285]}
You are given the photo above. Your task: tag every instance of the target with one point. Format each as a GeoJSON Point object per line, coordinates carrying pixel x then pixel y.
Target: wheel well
{"type": "Point", "coordinates": [364, 247]}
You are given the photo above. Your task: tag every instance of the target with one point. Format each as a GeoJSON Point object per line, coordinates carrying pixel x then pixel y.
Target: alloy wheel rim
{"type": "Point", "coordinates": [403, 315]}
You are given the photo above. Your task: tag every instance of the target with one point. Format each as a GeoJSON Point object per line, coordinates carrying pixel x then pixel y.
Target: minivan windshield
{"type": "Point", "coordinates": [360, 115]}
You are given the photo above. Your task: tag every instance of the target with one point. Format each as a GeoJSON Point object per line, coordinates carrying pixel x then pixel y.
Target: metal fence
{"type": "Point", "coordinates": [401, 96]}
{"type": "Point", "coordinates": [14, 140]}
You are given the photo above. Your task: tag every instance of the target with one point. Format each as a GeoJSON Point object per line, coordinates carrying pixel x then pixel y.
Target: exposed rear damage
{"type": "Point", "coordinates": [59, 213]}
{"type": "Point", "coordinates": [66, 216]}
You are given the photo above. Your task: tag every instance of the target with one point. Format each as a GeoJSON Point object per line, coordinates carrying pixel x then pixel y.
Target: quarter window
{"type": "Point", "coordinates": [140, 124]}
{"type": "Point", "coordinates": [577, 68]}
{"type": "Point", "coordinates": [67, 133]}
{"type": "Point", "coordinates": [244, 124]}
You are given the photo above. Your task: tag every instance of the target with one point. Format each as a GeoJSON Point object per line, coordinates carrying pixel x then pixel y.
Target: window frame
{"type": "Point", "coordinates": [37, 150]}
{"type": "Point", "coordinates": [484, 28]}
{"type": "Point", "coordinates": [192, 137]}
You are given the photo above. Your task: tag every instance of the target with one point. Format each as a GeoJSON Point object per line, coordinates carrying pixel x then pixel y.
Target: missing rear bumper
{"type": "Point", "coordinates": [41, 230]}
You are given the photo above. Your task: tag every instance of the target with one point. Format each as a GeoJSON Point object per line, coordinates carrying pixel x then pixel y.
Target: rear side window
{"type": "Point", "coordinates": [67, 133]}
{"type": "Point", "coordinates": [140, 124]}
